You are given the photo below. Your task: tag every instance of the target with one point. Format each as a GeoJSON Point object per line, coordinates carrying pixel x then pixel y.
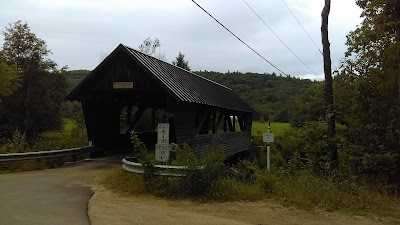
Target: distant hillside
{"type": "Point", "coordinates": [274, 97]}
{"type": "Point", "coordinates": [74, 77]}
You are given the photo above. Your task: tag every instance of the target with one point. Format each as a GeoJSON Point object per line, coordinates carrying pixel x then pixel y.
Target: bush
{"type": "Point", "coordinates": [141, 152]}
{"type": "Point", "coordinates": [72, 135]}
{"type": "Point", "coordinates": [185, 157]}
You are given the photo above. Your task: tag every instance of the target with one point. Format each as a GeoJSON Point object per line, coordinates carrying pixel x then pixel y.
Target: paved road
{"type": "Point", "coordinates": [54, 196]}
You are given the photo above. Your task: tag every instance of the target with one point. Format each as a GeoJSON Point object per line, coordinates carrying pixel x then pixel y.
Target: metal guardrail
{"type": "Point", "coordinates": [45, 154]}
{"type": "Point", "coordinates": [161, 170]}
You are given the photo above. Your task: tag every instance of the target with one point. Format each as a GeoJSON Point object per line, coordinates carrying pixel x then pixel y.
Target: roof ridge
{"type": "Point", "coordinates": [132, 49]}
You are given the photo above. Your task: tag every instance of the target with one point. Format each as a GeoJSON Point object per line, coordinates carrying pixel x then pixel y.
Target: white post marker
{"type": "Point", "coordinates": [162, 152]}
{"type": "Point", "coordinates": [268, 138]}
{"type": "Point", "coordinates": [163, 133]}
{"type": "Point", "coordinates": [162, 146]}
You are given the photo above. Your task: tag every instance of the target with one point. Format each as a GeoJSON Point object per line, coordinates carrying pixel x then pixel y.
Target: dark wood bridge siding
{"type": "Point", "coordinates": [234, 142]}
{"type": "Point", "coordinates": [185, 126]}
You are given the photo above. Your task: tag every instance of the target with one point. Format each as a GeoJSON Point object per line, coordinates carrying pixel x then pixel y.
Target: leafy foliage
{"type": "Point", "coordinates": [9, 79]}
{"type": "Point", "coordinates": [34, 106]}
{"type": "Point", "coordinates": [72, 135]}
{"type": "Point", "coordinates": [150, 47]}
{"type": "Point", "coordinates": [368, 96]}
{"type": "Point", "coordinates": [274, 97]}
{"type": "Point", "coordinates": [310, 106]}
{"type": "Point", "coordinates": [24, 49]}
{"type": "Point", "coordinates": [181, 62]}
{"type": "Point", "coordinates": [143, 155]}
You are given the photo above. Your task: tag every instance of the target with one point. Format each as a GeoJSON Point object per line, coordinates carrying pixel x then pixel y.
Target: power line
{"type": "Point", "coordinates": [302, 27]}
{"type": "Point", "coordinates": [239, 38]}
{"type": "Point", "coordinates": [278, 37]}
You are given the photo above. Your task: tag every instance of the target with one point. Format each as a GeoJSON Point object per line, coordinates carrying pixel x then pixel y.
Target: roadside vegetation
{"type": "Point", "coordinates": [71, 135]}
{"type": "Point", "coordinates": [290, 182]}
{"type": "Point", "coordinates": [302, 190]}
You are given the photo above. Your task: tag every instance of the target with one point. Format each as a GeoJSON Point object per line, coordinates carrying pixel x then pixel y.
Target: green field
{"type": "Point", "coordinates": [276, 127]}
{"type": "Point", "coordinates": [68, 125]}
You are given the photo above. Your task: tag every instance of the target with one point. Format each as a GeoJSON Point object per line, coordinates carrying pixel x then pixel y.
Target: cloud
{"type": "Point", "coordinates": [79, 31]}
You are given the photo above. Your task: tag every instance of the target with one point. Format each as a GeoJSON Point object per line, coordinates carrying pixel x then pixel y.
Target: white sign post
{"type": "Point", "coordinates": [162, 146]}
{"type": "Point", "coordinates": [162, 152]}
{"type": "Point", "coordinates": [163, 133]}
{"type": "Point", "coordinates": [268, 138]}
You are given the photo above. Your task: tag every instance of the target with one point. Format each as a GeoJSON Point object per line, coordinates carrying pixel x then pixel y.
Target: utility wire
{"type": "Point", "coordinates": [302, 27]}
{"type": "Point", "coordinates": [239, 38]}
{"type": "Point", "coordinates": [278, 37]}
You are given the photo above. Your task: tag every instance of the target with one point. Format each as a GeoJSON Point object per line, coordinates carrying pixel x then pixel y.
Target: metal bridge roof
{"type": "Point", "coordinates": [186, 86]}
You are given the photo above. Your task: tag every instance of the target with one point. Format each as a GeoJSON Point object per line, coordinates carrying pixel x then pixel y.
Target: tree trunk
{"type": "Point", "coordinates": [328, 92]}
{"type": "Point", "coordinates": [397, 27]}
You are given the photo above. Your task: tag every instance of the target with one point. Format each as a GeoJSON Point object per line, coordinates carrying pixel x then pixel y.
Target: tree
{"type": "Point", "coordinates": [9, 79]}
{"type": "Point", "coordinates": [330, 113]}
{"type": "Point", "coordinates": [370, 75]}
{"type": "Point", "coordinates": [310, 106]}
{"type": "Point", "coordinates": [24, 49]}
{"type": "Point", "coordinates": [181, 62]}
{"type": "Point", "coordinates": [150, 47]}
{"type": "Point", "coordinates": [34, 106]}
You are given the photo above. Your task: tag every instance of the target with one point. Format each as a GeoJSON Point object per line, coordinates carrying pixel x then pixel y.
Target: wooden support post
{"type": "Point", "coordinates": [241, 122]}
{"type": "Point", "coordinates": [214, 121]}
{"type": "Point", "coordinates": [202, 122]}
{"type": "Point", "coordinates": [228, 118]}
{"type": "Point", "coordinates": [247, 122]}
{"type": "Point", "coordinates": [153, 118]}
{"type": "Point", "coordinates": [129, 114]}
{"type": "Point", "coordinates": [219, 120]}
{"type": "Point", "coordinates": [234, 122]}
{"type": "Point", "coordinates": [135, 118]}
{"type": "Point", "coordinates": [225, 123]}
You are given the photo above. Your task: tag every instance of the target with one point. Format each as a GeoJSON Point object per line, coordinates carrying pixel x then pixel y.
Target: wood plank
{"type": "Point", "coordinates": [202, 122]}
{"type": "Point", "coordinates": [135, 118]}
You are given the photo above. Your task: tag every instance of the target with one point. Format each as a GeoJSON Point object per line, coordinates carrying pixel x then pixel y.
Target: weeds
{"type": "Point", "coordinates": [249, 180]}
{"type": "Point", "coordinates": [246, 181]}
{"type": "Point", "coordinates": [72, 135]}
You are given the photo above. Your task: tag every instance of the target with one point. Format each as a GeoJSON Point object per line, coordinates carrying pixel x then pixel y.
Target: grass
{"type": "Point", "coordinates": [69, 136]}
{"type": "Point", "coordinates": [124, 182]}
{"type": "Point", "coordinates": [68, 125]}
{"type": "Point", "coordinates": [276, 127]}
{"type": "Point", "coordinates": [301, 190]}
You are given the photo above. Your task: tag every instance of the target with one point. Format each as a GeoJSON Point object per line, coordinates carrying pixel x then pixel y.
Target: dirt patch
{"type": "Point", "coordinates": [107, 208]}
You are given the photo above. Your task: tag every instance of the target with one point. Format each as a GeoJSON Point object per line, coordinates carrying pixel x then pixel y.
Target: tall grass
{"type": "Point", "coordinates": [71, 135]}
{"type": "Point", "coordinates": [249, 180]}
{"type": "Point", "coordinates": [302, 190]}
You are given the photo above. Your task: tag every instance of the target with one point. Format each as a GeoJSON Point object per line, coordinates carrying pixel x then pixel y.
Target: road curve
{"type": "Point", "coordinates": [53, 196]}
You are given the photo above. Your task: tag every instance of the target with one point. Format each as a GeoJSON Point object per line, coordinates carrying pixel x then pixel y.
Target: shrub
{"type": "Point", "coordinates": [185, 157]}
{"type": "Point", "coordinates": [17, 143]}
{"type": "Point", "coordinates": [143, 155]}
{"type": "Point", "coordinates": [72, 135]}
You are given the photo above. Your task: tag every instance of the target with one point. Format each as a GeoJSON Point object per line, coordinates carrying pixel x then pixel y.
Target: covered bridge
{"type": "Point", "coordinates": [131, 91]}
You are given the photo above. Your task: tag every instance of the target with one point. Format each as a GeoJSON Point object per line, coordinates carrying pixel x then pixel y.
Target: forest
{"type": "Point", "coordinates": [366, 92]}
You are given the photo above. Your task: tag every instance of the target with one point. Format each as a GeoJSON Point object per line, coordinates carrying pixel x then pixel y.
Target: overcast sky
{"type": "Point", "coordinates": [79, 31]}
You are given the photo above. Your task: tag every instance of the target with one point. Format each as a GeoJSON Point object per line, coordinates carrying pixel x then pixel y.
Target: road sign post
{"type": "Point", "coordinates": [268, 138]}
{"type": "Point", "coordinates": [162, 152]}
{"type": "Point", "coordinates": [162, 146]}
